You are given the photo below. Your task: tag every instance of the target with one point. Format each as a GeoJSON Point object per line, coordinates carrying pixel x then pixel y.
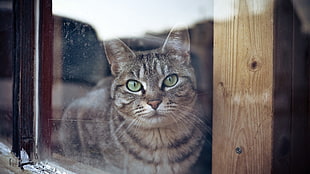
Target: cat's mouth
{"type": "Point", "coordinates": [154, 114]}
{"type": "Point", "coordinates": [156, 119]}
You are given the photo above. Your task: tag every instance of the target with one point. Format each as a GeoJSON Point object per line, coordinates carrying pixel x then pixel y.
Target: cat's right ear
{"type": "Point", "coordinates": [178, 43]}
{"type": "Point", "coordinates": [118, 54]}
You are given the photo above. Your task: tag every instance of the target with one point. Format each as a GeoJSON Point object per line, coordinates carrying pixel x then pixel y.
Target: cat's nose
{"type": "Point", "coordinates": [154, 103]}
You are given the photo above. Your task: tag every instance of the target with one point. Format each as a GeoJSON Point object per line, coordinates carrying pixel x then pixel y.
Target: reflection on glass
{"type": "Point", "coordinates": [135, 105]}
{"type": "Point", "coordinates": [6, 84]}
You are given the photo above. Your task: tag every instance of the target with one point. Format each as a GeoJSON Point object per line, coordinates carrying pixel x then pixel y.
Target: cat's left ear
{"type": "Point", "coordinates": [118, 55]}
{"type": "Point", "coordinates": [178, 44]}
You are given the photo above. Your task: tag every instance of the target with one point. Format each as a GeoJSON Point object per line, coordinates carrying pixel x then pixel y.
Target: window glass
{"type": "Point", "coordinates": [6, 83]}
{"type": "Point", "coordinates": [141, 104]}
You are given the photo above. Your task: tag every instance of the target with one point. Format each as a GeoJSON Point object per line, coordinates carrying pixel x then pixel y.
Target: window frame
{"type": "Point", "coordinates": [32, 31]}
{"type": "Point", "coordinates": [25, 134]}
{"type": "Point", "coordinates": [23, 68]}
{"type": "Point", "coordinates": [46, 35]}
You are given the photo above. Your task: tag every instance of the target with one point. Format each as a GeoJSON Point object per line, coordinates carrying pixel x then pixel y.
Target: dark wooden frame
{"type": "Point", "coordinates": [23, 76]}
{"type": "Point", "coordinates": [291, 93]}
{"type": "Point", "coordinates": [23, 83]}
{"type": "Point", "coordinates": [45, 76]}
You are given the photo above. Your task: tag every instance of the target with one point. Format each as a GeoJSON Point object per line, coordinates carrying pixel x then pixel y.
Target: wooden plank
{"type": "Point", "coordinates": [46, 77]}
{"type": "Point", "coordinates": [243, 83]}
{"type": "Point", "coordinates": [23, 136]}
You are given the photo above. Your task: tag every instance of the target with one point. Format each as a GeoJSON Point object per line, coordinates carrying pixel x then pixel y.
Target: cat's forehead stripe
{"type": "Point", "coordinates": [158, 68]}
{"type": "Point", "coordinates": [151, 64]}
{"type": "Point", "coordinates": [166, 69]}
{"type": "Point", "coordinates": [134, 73]}
{"type": "Point", "coordinates": [141, 72]}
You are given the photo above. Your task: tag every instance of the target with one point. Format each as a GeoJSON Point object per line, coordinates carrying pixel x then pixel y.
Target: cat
{"type": "Point", "coordinates": [146, 119]}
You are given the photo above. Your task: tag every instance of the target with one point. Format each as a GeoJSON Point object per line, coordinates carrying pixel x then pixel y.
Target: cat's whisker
{"type": "Point", "coordinates": [135, 121]}
{"type": "Point", "coordinates": [197, 122]}
{"type": "Point", "coordinates": [191, 118]}
{"type": "Point", "coordinates": [194, 112]}
{"type": "Point", "coordinates": [119, 127]}
{"type": "Point", "coordinates": [180, 123]}
{"type": "Point", "coordinates": [115, 118]}
{"type": "Point", "coordinates": [184, 125]}
{"type": "Point", "coordinates": [138, 110]}
{"type": "Point", "coordinates": [116, 132]}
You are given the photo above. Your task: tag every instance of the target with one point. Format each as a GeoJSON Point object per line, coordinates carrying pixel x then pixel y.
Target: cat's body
{"type": "Point", "coordinates": [147, 120]}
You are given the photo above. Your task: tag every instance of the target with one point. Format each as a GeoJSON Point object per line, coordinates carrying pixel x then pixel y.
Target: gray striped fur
{"type": "Point", "coordinates": [115, 129]}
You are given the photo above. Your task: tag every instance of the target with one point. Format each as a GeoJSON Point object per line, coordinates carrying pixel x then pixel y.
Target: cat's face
{"type": "Point", "coordinates": [153, 88]}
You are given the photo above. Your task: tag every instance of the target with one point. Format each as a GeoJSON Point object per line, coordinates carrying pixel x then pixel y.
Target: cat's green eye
{"type": "Point", "coordinates": [170, 80]}
{"type": "Point", "coordinates": [134, 85]}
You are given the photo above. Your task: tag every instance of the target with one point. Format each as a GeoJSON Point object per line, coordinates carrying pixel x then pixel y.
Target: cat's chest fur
{"type": "Point", "coordinates": [165, 150]}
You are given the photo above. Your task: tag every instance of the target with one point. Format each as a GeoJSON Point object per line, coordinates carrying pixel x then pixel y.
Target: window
{"type": "Point", "coordinates": [80, 62]}
{"type": "Point", "coordinates": [47, 82]}
{"type": "Point", "coordinates": [117, 87]}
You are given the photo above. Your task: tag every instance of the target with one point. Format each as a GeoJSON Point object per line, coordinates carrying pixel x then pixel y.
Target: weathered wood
{"type": "Point", "coordinates": [243, 84]}
{"type": "Point", "coordinates": [23, 88]}
{"type": "Point", "coordinates": [46, 77]}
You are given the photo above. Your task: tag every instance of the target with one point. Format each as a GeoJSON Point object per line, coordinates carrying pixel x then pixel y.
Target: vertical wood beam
{"type": "Point", "coordinates": [291, 91]}
{"type": "Point", "coordinates": [243, 86]}
{"type": "Point", "coordinates": [45, 77]}
{"type": "Point", "coordinates": [23, 84]}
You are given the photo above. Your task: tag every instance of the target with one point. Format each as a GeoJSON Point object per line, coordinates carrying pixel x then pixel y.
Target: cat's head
{"type": "Point", "coordinates": [153, 88]}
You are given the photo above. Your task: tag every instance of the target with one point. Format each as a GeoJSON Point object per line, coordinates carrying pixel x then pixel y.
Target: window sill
{"type": "Point", "coordinates": [9, 165]}
{"type": "Point", "coordinates": [8, 162]}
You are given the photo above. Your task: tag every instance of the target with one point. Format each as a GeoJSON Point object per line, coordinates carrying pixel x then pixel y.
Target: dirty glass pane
{"type": "Point", "coordinates": [6, 82]}
{"type": "Point", "coordinates": [98, 78]}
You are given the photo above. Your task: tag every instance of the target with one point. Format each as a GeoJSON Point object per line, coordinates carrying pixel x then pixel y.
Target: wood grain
{"type": "Point", "coordinates": [46, 77]}
{"type": "Point", "coordinates": [243, 84]}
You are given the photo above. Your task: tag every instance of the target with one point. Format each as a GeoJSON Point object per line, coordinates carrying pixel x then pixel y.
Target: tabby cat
{"type": "Point", "coordinates": [144, 120]}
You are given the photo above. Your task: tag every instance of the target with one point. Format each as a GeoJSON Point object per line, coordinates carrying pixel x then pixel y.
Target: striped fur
{"type": "Point", "coordinates": [118, 130]}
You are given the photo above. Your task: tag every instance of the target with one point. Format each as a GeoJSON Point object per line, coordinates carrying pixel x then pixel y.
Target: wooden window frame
{"type": "Point", "coordinates": [23, 77]}
{"type": "Point", "coordinates": [288, 150]}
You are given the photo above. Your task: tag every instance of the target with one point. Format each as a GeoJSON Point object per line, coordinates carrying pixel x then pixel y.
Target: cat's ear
{"type": "Point", "coordinates": [118, 54]}
{"type": "Point", "coordinates": [178, 43]}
